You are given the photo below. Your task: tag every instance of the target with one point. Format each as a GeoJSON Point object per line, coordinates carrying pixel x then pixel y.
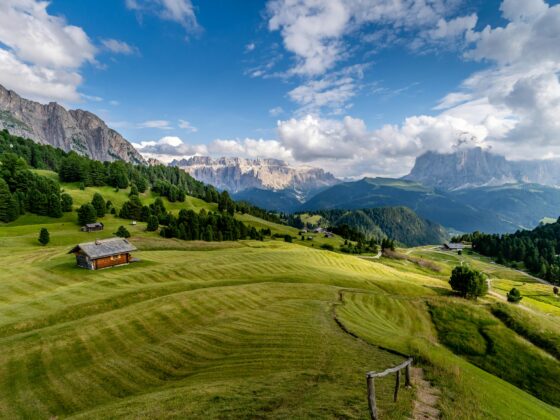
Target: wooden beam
{"type": "Point", "coordinates": [390, 370]}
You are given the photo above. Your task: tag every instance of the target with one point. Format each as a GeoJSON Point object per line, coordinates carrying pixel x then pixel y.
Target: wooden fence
{"type": "Point", "coordinates": [370, 378]}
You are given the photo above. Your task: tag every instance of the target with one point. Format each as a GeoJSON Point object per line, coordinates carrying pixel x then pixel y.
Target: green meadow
{"type": "Point", "coordinates": [254, 329]}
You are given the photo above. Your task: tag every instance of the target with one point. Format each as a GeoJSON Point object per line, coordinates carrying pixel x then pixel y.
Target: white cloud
{"type": "Point", "coordinates": [185, 125]}
{"type": "Point", "coordinates": [179, 11]}
{"type": "Point", "coordinates": [314, 31]}
{"type": "Point", "coordinates": [160, 124]}
{"type": "Point", "coordinates": [40, 54]}
{"type": "Point", "coordinates": [276, 111]}
{"type": "Point", "coordinates": [250, 47]}
{"type": "Point", "coordinates": [119, 47]}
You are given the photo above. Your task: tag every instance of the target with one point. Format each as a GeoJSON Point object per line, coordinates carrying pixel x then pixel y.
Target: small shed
{"type": "Point", "coordinates": [103, 254]}
{"type": "Point", "coordinates": [93, 227]}
{"type": "Point", "coordinates": [454, 246]}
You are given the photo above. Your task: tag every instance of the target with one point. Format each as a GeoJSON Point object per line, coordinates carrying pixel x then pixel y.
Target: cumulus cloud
{"type": "Point", "coordinates": [179, 11]}
{"type": "Point", "coordinates": [168, 148]}
{"type": "Point", "coordinates": [40, 54]}
{"type": "Point", "coordinates": [316, 33]}
{"type": "Point", "coordinates": [119, 47]}
{"type": "Point", "coordinates": [314, 30]}
{"type": "Point", "coordinates": [276, 111]}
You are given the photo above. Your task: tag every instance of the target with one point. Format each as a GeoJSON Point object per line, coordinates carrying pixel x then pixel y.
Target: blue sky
{"type": "Point", "coordinates": [360, 88]}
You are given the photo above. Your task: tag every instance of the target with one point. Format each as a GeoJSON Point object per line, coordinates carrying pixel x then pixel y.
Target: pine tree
{"type": "Point", "coordinates": [122, 232]}
{"type": "Point", "coordinates": [66, 202]}
{"type": "Point", "coordinates": [86, 214]}
{"type": "Point", "coordinates": [54, 209]}
{"type": "Point", "coordinates": [44, 237]}
{"type": "Point", "coordinates": [133, 190]}
{"type": "Point", "coordinates": [153, 224]}
{"type": "Point", "coordinates": [8, 205]}
{"type": "Point", "coordinates": [99, 204]}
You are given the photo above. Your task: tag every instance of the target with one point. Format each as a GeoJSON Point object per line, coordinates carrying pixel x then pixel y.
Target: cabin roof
{"type": "Point", "coordinates": [92, 225]}
{"type": "Point", "coordinates": [454, 245]}
{"type": "Point", "coordinates": [104, 248]}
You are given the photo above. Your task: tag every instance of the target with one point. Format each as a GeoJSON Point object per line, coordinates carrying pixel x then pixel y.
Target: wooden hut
{"type": "Point", "coordinates": [103, 254]}
{"type": "Point", "coordinates": [93, 227]}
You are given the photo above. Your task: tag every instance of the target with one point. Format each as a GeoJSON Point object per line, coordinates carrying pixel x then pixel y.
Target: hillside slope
{"type": "Point", "coordinates": [398, 223]}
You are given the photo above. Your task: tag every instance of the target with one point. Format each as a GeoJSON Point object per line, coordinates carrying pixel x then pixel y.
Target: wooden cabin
{"type": "Point", "coordinates": [454, 246]}
{"type": "Point", "coordinates": [93, 227]}
{"type": "Point", "coordinates": [103, 254]}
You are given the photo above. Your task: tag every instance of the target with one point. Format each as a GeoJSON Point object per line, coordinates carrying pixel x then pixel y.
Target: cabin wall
{"type": "Point", "coordinates": [111, 261]}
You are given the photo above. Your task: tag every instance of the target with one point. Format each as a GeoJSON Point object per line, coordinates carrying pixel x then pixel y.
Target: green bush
{"type": "Point", "coordinates": [471, 284]}
{"type": "Point", "coordinates": [514, 295]}
{"type": "Point", "coordinates": [122, 232]}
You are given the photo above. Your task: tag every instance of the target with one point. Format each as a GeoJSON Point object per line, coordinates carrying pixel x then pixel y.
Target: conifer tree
{"type": "Point", "coordinates": [86, 214]}
{"type": "Point", "coordinates": [44, 237]}
{"type": "Point", "coordinates": [99, 204]}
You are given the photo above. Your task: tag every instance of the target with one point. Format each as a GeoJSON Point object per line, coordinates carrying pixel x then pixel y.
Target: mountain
{"type": "Point", "coordinates": [269, 183]}
{"type": "Point", "coordinates": [490, 209]}
{"type": "Point", "coordinates": [399, 223]}
{"type": "Point", "coordinates": [52, 124]}
{"type": "Point", "coordinates": [475, 167]}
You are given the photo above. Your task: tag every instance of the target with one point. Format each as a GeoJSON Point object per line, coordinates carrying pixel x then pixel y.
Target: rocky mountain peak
{"type": "Point", "coordinates": [237, 174]}
{"type": "Point", "coordinates": [476, 167]}
{"type": "Point", "coordinates": [78, 130]}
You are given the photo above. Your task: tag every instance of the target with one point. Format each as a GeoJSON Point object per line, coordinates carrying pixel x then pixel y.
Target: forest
{"type": "Point", "coordinates": [23, 191]}
{"type": "Point", "coordinates": [535, 250]}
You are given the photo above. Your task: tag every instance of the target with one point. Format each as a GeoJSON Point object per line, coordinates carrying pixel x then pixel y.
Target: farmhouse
{"type": "Point", "coordinates": [103, 254]}
{"type": "Point", "coordinates": [454, 246]}
{"type": "Point", "coordinates": [93, 227]}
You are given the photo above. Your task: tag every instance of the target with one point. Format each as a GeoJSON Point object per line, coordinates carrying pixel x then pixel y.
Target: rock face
{"type": "Point", "coordinates": [52, 124]}
{"type": "Point", "coordinates": [237, 174]}
{"type": "Point", "coordinates": [471, 168]}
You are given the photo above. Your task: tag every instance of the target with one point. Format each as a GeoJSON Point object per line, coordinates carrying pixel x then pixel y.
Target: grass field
{"type": "Point", "coordinates": [243, 329]}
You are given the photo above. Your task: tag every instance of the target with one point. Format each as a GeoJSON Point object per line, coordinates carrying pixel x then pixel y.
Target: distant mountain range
{"type": "Point", "coordinates": [472, 168]}
{"type": "Point", "coordinates": [503, 208]}
{"type": "Point", "coordinates": [52, 124]}
{"type": "Point", "coordinates": [269, 183]}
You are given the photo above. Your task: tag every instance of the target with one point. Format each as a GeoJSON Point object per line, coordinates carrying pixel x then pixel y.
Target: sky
{"type": "Point", "coordinates": [357, 87]}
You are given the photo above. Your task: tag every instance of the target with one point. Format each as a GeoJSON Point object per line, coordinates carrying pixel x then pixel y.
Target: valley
{"type": "Point", "coordinates": [241, 329]}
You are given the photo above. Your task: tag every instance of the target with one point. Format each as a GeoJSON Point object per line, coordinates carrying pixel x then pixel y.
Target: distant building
{"type": "Point", "coordinates": [329, 234]}
{"type": "Point", "coordinates": [318, 230]}
{"type": "Point", "coordinates": [454, 246]}
{"type": "Point", "coordinates": [93, 227]}
{"type": "Point", "coordinates": [103, 254]}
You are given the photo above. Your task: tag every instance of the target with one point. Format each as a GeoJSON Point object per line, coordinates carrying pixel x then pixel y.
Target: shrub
{"type": "Point", "coordinates": [327, 247]}
{"type": "Point", "coordinates": [122, 232]}
{"type": "Point", "coordinates": [514, 295]}
{"type": "Point", "coordinates": [287, 238]}
{"type": "Point", "coordinates": [469, 283]}
{"type": "Point", "coordinates": [555, 290]}
{"type": "Point", "coordinates": [44, 237]}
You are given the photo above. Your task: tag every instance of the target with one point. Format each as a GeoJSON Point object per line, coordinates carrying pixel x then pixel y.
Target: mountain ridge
{"type": "Point", "coordinates": [236, 175]}
{"type": "Point", "coordinates": [476, 167]}
{"type": "Point", "coordinates": [77, 130]}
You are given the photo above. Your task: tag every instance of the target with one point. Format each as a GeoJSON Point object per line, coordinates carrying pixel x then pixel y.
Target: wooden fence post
{"type": "Point", "coordinates": [397, 385]}
{"type": "Point", "coordinates": [407, 377]}
{"type": "Point", "coordinates": [371, 397]}
{"type": "Point", "coordinates": [370, 379]}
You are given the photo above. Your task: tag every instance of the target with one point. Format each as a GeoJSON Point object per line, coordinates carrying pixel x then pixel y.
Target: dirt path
{"type": "Point", "coordinates": [427, 397]}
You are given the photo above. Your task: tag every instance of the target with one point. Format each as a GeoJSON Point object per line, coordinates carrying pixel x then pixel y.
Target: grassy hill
{"type": "Point", "coordinates": [242, 329]}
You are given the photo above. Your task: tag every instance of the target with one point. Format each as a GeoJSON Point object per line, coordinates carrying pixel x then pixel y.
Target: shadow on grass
{"type": "Point", "coordinates": [441, 291]}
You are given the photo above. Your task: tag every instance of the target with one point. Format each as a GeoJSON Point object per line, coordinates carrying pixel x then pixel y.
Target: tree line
{"type": "Point", "coordinates": [21, 190]}
{"type": "Point", "coordinates": [535, 250]}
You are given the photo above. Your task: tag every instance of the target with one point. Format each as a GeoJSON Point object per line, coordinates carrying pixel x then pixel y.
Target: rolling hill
{"type": "Point", "coordinates": [186, 332]}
